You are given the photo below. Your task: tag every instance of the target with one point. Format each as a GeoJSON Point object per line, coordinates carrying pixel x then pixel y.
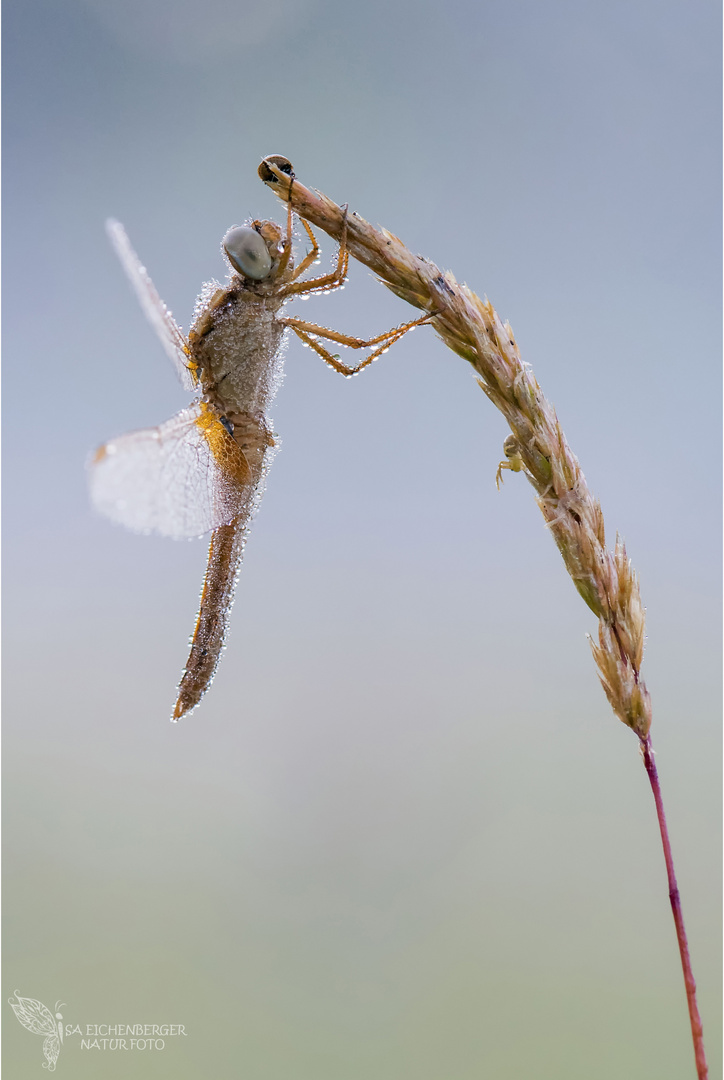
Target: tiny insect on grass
{"type": "Point", "coordinates": [205, 468]}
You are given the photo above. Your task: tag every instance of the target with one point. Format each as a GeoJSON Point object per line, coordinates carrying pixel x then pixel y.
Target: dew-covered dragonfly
{"type": "Point", "coordinates": [204, 469]}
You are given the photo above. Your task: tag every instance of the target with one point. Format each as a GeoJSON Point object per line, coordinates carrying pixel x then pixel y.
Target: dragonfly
{"type": "Point", "coordinates": [205, 469]}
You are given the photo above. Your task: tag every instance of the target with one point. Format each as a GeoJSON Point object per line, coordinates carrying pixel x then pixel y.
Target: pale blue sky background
{"type": "Point", "coordinates": [404, 836]}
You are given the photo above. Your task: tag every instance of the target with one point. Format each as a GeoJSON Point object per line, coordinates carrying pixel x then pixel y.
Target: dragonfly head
{"type": "Point", "coordinates": [254, 250]}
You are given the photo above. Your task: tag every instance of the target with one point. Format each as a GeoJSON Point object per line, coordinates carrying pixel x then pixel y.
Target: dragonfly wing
{"type": "Point", "coordinates": [180, 479]}
{"type": "Point", "coordinates": [153, 306]}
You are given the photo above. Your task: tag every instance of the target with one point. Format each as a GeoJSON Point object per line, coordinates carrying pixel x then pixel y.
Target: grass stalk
{"type": "Point", "coordinates": [536, 446]}
{"type": "Point", "coordinates": [697, 1031]}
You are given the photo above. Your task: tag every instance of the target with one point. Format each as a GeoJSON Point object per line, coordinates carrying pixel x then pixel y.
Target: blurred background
{"type": "Point", "coordinates": [404, 835]}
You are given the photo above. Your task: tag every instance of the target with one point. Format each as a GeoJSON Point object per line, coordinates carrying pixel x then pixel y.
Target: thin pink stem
{"type": "Point", "coordinates": [697, 1032]}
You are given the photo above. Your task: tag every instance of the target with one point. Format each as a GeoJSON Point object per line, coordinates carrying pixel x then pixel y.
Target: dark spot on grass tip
{"type": "Point", "coordinates": [283, 164]}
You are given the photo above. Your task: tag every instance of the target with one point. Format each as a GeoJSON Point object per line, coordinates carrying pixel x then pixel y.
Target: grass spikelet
{"type": "Point", "coordinates": [538, 447]}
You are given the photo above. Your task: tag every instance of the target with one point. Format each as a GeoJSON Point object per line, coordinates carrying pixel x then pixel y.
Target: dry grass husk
{"type": "Point", "coordinates": [471, 328]}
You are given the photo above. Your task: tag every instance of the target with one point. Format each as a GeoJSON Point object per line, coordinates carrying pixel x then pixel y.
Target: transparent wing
{"type": "Point", "coordinates": [180, 479]}
{"type": "Point", "coordinates": [153, 306]}
{"type": "Point", "coordinates": [33, 1015]}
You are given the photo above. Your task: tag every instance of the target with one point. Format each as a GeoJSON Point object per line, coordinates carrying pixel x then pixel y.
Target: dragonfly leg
{"type": "Point", "coordinates": [287, 253]}
{"type": "Point", "coordinates": [326, 282]}
{"type": "Point", "coordinates": [310, 256]}
{"type": "Point", "coordinates": [309, 333]}
{"type": "Point", "coordinates": [286, 166]}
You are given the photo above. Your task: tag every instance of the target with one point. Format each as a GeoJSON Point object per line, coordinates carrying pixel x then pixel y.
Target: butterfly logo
{"type": "Point", "coordinates": [37, 1018]}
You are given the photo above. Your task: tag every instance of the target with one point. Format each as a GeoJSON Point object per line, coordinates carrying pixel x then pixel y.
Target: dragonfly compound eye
{"type": "Point", "coordinates": [247, 252]}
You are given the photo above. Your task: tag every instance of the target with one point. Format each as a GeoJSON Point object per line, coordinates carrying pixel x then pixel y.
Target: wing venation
{"type": "Point", "coordinates": [180, 479]}
{"type": "Point", "coordinates": [161, 319]}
